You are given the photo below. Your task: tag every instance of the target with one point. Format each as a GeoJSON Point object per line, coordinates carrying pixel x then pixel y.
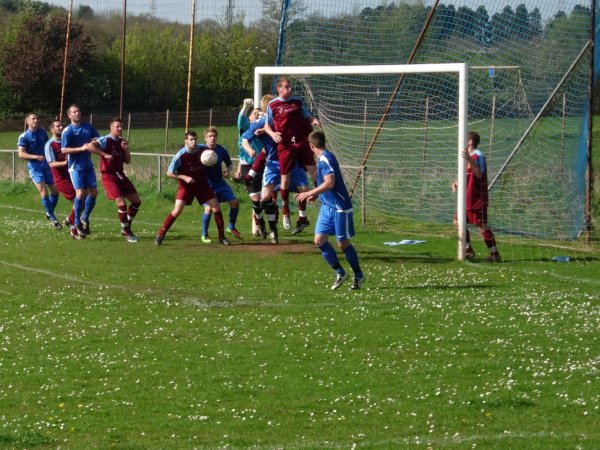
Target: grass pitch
{"type": "Point", "coordinates": [106, 344]}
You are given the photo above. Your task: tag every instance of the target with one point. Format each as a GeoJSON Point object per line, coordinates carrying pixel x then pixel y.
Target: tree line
{"type": "Point", "coordinates": [32, 40]}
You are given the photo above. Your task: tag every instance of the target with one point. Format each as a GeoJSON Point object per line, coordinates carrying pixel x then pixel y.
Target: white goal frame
{"type": "Point", "coordinates": [460, 68]}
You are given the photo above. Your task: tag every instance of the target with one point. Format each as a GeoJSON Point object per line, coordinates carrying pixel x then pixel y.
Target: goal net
{"type": "Point", "coordinates": [528, 99]}
{"type": "Point", "coordinates": [412, 148]}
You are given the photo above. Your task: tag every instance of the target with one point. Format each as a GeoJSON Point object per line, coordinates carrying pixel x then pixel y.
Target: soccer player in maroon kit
{"type": "Point", "coordinates": [58, 165]}
{"type": "Point", "coordinates": [477, 197]}
{"type": "Point", "coordinates": [289, 123]}
{"type": "Point", "coordinates": [116, 184]}
{"type": "Point", "coordinates": [188, 170]}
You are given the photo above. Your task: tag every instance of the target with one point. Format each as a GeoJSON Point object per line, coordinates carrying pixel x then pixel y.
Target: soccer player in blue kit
{"type": "Point", "coordinates": [77, 143]}
{"type": "Point", "coordinates": [218, 184]}
{"type": "Point", "coordinates": [31, 145]}
{"type": "Point", "coordinates": [335, 215]}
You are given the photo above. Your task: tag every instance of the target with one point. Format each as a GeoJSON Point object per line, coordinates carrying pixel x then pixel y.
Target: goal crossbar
{"type": "Point", "coordinates": [458, 68]}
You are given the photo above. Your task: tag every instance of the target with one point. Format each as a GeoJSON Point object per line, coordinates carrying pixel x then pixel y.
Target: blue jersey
{"type": "Point", "coordinates": [34, 143]}
{"type": "Point", "coordinates": [77, 136]}
{"type": "Point", "coordinates": [243, 124]}
{"type": "Point", "coordinates": [215, 173]}
{"type": "Point", "coordinates": [267, 142]}
{"type": "Point", "coordinates": [337, 197]}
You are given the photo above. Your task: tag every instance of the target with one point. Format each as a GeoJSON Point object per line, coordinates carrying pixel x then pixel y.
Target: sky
{"type": "Point", "coordinates": [181, 10]}
{"type": "Point", "coordinates": [172, 10]}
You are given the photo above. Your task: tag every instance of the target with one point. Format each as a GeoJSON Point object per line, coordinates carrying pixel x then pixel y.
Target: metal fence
{"type": "Point", "coordinates": [145, 171]}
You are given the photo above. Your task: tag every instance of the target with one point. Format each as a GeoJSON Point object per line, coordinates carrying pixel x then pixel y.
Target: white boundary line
{"type": "Point", "coordinates": [95, 217]}
{"type": "Point", "coordinates": [58, 275]}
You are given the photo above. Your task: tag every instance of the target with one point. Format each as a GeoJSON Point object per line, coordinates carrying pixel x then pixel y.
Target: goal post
{"type": "Point", "coordinates": [460, 69]}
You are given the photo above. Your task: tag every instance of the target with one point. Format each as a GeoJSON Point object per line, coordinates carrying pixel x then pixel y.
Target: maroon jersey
{"type": "Point", "coordinates": [112, 146]}
{"type": "Point", "coordinates": [55, 154]}
{"type": "Point", "coordinates": [477, 188]}
{"type": "Point", "coordinates": [186, 163]}
{"type": "Point", "coordinates": [290, 118]}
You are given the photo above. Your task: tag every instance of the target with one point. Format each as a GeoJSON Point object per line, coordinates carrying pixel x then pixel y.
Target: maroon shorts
{"type": "Point", "coordinates": [288, 153]}
{"type": "Point", "coordinates": [65, 187]}
{"type": "Point", "coordinates": [203, 194]}
{"type": "Point", "coordinates": [117, 185]}
{"type": "Point", "coordinates": [475, 216]}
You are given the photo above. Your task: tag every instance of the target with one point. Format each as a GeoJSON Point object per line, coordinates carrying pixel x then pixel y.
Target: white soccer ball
{"type": "Point", "coordinates": [208, 157]}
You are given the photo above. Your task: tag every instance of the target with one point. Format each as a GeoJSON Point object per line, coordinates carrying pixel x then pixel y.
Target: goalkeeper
{"type": "Point", "coordinates": [477, 197]}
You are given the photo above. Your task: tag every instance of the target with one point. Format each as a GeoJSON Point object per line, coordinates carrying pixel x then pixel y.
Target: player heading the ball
{"type": "Point", "coordinates": [188, 170]}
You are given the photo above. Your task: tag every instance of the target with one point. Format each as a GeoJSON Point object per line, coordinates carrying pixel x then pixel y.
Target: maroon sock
{"type": "Point", "coordinates": [169, 220]}
{"type": "Point", "coordinates": [259, 162]}
{"type": "Point", "coordinates": [488, 237]}
{"type": "Point", "coordinates": [220, 224]}
{"type": "Point", "coordinates": [123, 215]}
{"type": "Point", "coordinates": [132, 211]}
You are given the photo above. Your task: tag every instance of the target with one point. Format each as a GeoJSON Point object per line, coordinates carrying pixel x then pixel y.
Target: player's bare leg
{"type": "Point", "coordinates": [285, 200]}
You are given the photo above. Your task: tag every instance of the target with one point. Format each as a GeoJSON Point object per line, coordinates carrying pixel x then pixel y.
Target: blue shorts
{"type": "Point", "coordinates": [333, 222]}
{"type": "Point", "coordinates": [41, 174]}
{"type": "Point", "coordinates": [223, 191]}
{"type": "Point", "coordinates": [272, 175]}
{"type": "Point", "coordinates": [84, 179]}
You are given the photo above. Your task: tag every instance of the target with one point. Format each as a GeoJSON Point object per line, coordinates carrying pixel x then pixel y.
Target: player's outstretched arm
{"type": "Point", "coordinates": [247, 106]}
